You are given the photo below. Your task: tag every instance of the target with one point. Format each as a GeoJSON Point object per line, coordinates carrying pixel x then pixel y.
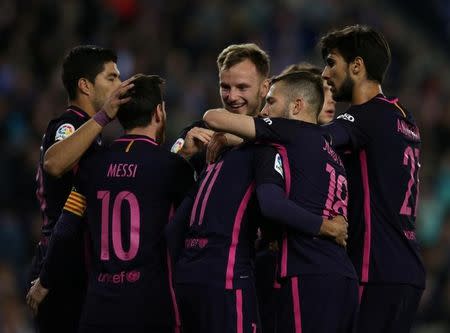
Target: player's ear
{"type": "Point", "coordinates": [357, 66]}
{"type": "Point", "coordinates": [299, 105]}
{"type": "Point", "coordinates": [159, 113]}
{"type": "Point", "coordinates": [85, 86]}
{"type": "Point", "coordinates": [265, 85]}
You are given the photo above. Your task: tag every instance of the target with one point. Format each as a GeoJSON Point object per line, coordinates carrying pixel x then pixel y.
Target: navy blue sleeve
{"type": "Point", "coordinates": [349, 130]}
{"type": "Point", "coordinates": [176, 230]}
{"type": "Point", "coordinates": [338, 134]}
{"type": "Point", "coordinates": [64, 237]}
{"type": "Point", "coordinates": [274, 130]}
{"type": "Point", "coordinates": [268, 166]}
{"type": "Point", "coordinates": [270, 189]}
{"type": "Point", "coordinates": [274, 205]}
{"type": "Point", "coordinates": [183, 177]}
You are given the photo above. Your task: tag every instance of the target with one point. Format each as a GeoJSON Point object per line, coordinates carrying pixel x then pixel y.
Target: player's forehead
{"type": "Point", "coordinates": [335, 55]}
{"type": "Point", "coordinates": [109, 68]}
{"type": "Point", "coordinates": [244, 72]}
{"type": "Point", "coordinates": [275, 90]}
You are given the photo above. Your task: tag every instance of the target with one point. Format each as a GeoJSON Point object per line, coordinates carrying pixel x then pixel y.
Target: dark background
{"type": "Point", "coordinates": [180, 41]}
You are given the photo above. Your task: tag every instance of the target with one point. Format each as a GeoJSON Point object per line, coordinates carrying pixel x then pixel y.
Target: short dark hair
{"type": "Point", "coordinates": [302, 66]}
{"type": "Point", "coordinates": [145, 97]}
{"type": "Point", "coordinates": [236, 53]}
{"type": "Point", "coordinates": [304, 83]}
{"type": "Point", "coordinates": [360, 41]}
{"type": "Point", "coordinates": [84, 61]}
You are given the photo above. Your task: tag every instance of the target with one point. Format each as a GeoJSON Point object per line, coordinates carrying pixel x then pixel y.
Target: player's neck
{"type": "Point", "coordinates": [365, 91]}
{"type": "Point", "coordinates": [306, 118]}
{"type": "Point", "coordinates": [148, 131]}
{"type": "Point", "coordinates": [86, 107]}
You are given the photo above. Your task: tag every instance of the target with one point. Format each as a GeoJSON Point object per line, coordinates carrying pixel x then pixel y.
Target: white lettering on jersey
{"type": "Point", "coordinates": [347, 116]}
{"type": "Point", "coordinates": [268, 121]}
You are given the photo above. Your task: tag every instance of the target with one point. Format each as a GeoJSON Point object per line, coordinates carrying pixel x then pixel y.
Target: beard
{"type": "Point", "coordinates": [161, 133]}
{"type": "Point", "coordinates": [345, 92]}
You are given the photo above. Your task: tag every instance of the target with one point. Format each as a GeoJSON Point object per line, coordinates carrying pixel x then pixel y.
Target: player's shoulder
{"type": "Point", "coordinates": [66, 123]}
{"type": "Point", "coordinates": [178, 143]}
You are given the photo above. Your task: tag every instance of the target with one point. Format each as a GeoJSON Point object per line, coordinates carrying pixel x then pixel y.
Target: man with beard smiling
{"type": "Point", "coordinates": [381, 145]}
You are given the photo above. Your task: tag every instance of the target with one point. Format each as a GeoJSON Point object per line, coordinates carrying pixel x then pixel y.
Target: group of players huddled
{"type": "Point", "coordinates": [265, 216]}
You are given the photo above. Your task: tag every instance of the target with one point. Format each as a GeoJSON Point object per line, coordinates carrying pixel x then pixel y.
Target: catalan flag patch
{"type": "Point", "coordinates": [75, 203]}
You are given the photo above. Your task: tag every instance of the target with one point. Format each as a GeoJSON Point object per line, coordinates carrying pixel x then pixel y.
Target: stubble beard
{"type": "Point", "coordinates": [345, 93]}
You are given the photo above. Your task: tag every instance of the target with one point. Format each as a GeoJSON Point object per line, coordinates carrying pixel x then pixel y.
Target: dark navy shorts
{"type": "Point", "coordinates": [267, 288]}
{"type": "Point", "coordinates": [60, 311]}
{"type": "Point", "coordinates": [318, 304]}
{"type": "Point", "coordinates": [208, 309]}
{"type": "Point", "coordinates": [388, 307]}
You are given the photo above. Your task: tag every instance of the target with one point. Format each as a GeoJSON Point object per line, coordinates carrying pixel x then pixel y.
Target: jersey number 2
{"type": "Point", "coordinates": [116, 231]}
{"type": "Point", "coordinates": [411, 158]}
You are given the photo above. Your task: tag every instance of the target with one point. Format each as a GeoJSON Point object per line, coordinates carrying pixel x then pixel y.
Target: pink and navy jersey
{"type": "Point", "coordinates": [223, 217]}
{"type": "Point", "coordinates": [52, 192]}
{"type": "Point", "coordinates": [130, 190]}
{"type": "Point", "coordinates": [316, 181]}
{"type": "Point", "coordinates": [380, 144]}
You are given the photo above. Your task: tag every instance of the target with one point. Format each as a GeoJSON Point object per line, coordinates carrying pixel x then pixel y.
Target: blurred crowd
{"type": "Point", "coordinates": [180, 41]}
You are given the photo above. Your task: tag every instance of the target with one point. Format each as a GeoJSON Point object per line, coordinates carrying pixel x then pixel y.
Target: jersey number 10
{"type": "Point", "coordinates": [116, 231]}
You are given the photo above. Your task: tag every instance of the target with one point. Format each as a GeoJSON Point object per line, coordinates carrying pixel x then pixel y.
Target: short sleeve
{"type": "Point", "coordinates": [268, 166]}
{"type": "Point", "coordinates": [274, 130]}
{"type": "Point", "coordinates": [350, 131]}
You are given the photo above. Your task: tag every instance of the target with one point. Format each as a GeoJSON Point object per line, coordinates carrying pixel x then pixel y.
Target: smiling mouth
{"type": "Point", "coordinates": [236, 106]}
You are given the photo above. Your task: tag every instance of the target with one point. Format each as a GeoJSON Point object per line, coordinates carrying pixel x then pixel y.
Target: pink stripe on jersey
{"type": "Point", "coordinates": [367, 217]}
{"type": "Point", "coordinates": [137, 139]}
{"type": "Point", "coordinates": [235, 236]}
{"type": "Point", "coordinates": [390, 101]}
{"type": "Point", "coordinates": [287, 170]}
{"type": "Point", "coordinates": [239, 314]}
{"type": "Point", "coordinates": [172, 290]}
{"type": "Point", "coordinates": [200, 191]}
{"type": "Point", "coordinates": [360, 293]}
{"type": "Point", "coordinates": [208, 191]}
{"type": "Point", "coordinates": [78, 113]}
{"type": "Point", "coordinates": [287, 178]}
{"type": "Point", "coordinates": [40, 194]}
{"type": "Point", "coordinates": [284, 255]}
{"type": "Point", "coordinates": [296, 305]}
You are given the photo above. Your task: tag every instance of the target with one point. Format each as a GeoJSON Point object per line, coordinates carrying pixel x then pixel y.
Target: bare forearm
{"type": "Point", "coordinates": [63, 155]}
{"type": "Point", "coordinates": [233, 140]}
{"type": "Point", "coordinates": [224, 121]}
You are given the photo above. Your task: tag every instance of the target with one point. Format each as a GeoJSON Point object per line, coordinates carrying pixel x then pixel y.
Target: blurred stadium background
{"type": "Point", "coordinates": [180, 40]}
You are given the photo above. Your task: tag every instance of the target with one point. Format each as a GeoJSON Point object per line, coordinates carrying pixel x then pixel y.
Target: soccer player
{"type": "Point", "coordinates": [382, 142]}
{"type": "Point", "coordinates": [127, 193]}
{"type": "Point", "coordinates": [328, 111]}
{"type": "Point", "coordinates": [243, 83]}
{"type": "Point", "coordinates": [319, 291]}
{"type": "Point", "coordinates": [89, 75]}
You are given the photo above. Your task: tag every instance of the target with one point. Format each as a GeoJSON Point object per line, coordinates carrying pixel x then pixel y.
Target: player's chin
{"type": "Point", "coordinates": [242, 109]}
{"type": "Point", "coordinates": [326, 118]}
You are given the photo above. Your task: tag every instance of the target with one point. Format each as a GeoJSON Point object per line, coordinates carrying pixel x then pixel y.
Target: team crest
{"type": "Point", "coordinates": [177, 146]}
{"type": "Point", "coordinates": [278, 166]}
{"type": "Point", "coordinates": [64, 131]}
